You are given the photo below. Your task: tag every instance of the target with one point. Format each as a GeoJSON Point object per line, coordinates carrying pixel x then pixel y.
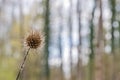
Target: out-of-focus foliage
{"type": "Point", "coordinates": [82, 39]}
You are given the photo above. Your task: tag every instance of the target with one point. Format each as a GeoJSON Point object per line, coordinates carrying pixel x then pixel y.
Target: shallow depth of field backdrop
{"type": "Point", "coordinates": [82, 39]}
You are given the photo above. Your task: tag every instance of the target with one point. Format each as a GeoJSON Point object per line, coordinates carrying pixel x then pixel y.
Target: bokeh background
{"type": "Point", "coordinates": [82, 39]}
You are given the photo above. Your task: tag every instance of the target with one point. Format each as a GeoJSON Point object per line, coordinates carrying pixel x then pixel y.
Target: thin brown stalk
{"type": "Point", "coordinates": [22, 66]}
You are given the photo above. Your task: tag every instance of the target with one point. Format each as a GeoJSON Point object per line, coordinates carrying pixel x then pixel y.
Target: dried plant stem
{"type": "Point", "coordinates": [22, 66]}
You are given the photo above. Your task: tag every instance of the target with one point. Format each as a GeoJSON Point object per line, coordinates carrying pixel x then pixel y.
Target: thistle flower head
{"type": "Point", "coordinates": [34, 39]}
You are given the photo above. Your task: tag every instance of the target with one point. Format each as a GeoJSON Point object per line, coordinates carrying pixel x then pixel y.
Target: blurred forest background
{"type": "Point", "coordinates": [82, 39]}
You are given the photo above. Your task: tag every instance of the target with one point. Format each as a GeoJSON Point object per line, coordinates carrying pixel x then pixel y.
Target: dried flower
{"type": "Point", "coordinates": [34, 39]}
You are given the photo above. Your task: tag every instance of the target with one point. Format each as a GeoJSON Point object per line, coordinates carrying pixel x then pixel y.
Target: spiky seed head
{"type": "Point", "coordinates": [34, 39]}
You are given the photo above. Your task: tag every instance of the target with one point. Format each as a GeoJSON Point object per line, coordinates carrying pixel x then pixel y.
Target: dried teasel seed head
{"type": "Point", "coordinates": [34, 39]}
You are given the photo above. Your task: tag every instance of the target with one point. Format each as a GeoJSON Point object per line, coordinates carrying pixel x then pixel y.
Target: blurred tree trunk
{"type": "Point", "coordinates": [79, 64]}
{"type": "Point", "coordinates": [112, 20]}
{"type": "Point", "coordinates": [24, 75]}
{"type": "Point", "coordinates": [118, 74]}
{"type": "Point", "coordinates": [113, 3]}
{"type": "Point", "coordinates": [92, 55]}
{"type": "Point", "coordinates": [70, 38]}
{"type": "Point", "coordinates": [2, 41]}
{"type": "Point", "coordinates": [60, 50]}
{"type": "Point", "coordinates": [21, 19]}
{"type": "Point", "coordinates": [12, 14]}
{"type": "Point", "coordinates": [1, 7]}
{"type": "Point", "coordinates": [99, 74]}
{"type": "Point", "coordinates": [47, 32]}
{"type": "Point", "coordinates": [119, 36]}
{"type": "Point", "coordinates": [60, 42]}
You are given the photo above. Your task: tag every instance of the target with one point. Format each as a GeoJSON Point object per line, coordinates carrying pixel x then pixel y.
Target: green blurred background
{"type": "Point", "coordinates": [82, 39]}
